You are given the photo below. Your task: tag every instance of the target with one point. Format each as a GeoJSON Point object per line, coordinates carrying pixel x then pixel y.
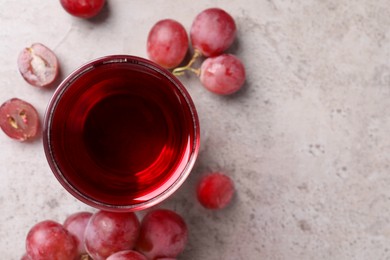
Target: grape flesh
{"type": "Point", "coordinates": [83, 8]}
{"type": "Point", "coordinates": [19, 119]}
{"type": "Point", "coordinates": [213, 31]}
{"type": "Point", "coordinates": [127, 255]}
{"type": "Point", "coordinates": [50, 240]}
{"type": "Point", "coordinates": [38, 65]}
{"type": "Point", "coordinates": [167, 43]}
{"type": "Point", "coordinates": [223, 74]}
{"type": "Point", "coordinates": [163, 234]}
{"type": "Point", "coordinates": [76, 224]}
{"type": "Point", "coordinates": [110, 232]}
{"type": "Point", "coordinates": [215, 191]}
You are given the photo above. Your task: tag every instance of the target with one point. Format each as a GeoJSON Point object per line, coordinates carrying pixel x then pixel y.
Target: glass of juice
{"type": "Point", "coordinates": [121, 133]}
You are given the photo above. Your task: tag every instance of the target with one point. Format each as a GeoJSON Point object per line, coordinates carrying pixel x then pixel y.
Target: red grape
{"type": "Point", "coordinates": [167, 43]}
{"type": "Point", "coordinates": [110, 232]}
{"type": "Point", "coordinates": [127, 255]}
{"type": "Point", "coordinates": [215, 190]}
{"type": "Point", "coordinates": [38, 65]}
{"type": "Point", "coordinates": [19, 119]}
{"type": "Point", "coordinates": [212, 31]}
{"type": "Point", "coordinates": [83, 8]}
{"type": "Point", "coordinates": [25, 257]}
{"type": "Point", "coordinates": [50, 240]}
{"type": "Point", "coordinates": [76, 224]}
{"type": "Point", "coordinates": [163, 234]}
{"type": "Point", "coordinates": [223, 74]}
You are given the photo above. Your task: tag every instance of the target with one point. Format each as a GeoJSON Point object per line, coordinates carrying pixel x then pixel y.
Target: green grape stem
{"type": "Point", "coordinates": [181, 70]}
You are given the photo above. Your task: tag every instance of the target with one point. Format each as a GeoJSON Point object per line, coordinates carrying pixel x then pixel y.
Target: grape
{"type": "Point", "coordinates": [212, 31]}
{"type": "Point", "coordinates": [38, 65]}
{"type": "Point", "coordinates": [163, 234]}
{"type": "Point", "coordinates": [83, 8]}
{"type": "Point", "coordinates": [167, 43]}
{"type": "Point", "coordinates": [76, 224]}
{"type": "Point", "coordinates": [127, 255]}
{"type": "Point", "coordinates": [25, 257]}
{"type": "Point", "coordinates": [223, 74]}
{"type": "Point", "coordinates": [110, 232]}
{"type": "Point", "coordinates": [215, 190]}
{"type": "Point", "coordinates": [50, 240]}
{"type": "Point", "coordinates": [19, 119]}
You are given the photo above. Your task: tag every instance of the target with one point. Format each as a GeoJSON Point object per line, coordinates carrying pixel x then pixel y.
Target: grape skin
{"type": "Point", "coordinates": [215, 191]}
{"type": "Point", "coordinates": [110, 232]}
{"type": "Point", "coordinates": [163, 234]}
{"type": "Point", "coordinates": [50, 240]}
{"type": "Point", "coordinates": [127, 255]}
{"type": "Point", "coordinates": [212, 32]}
{"type": "Point", "coordinates": [167, 43]}
{"type": "Point", "coordinates": [223, 75]}
{"type": "Point", "coordinates": [83, 9]}
{"type": "Point", "coordinates": [76, 224]}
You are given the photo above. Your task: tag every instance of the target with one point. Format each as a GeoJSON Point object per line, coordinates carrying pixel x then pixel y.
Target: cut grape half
{"type": "Point", "coordinates": [19, 119]}
{"type": "Point", "coordinates": [38, 65]}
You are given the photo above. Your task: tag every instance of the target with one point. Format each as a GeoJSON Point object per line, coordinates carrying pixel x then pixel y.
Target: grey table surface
{"type": "Point", "coordinates": [306, 141]}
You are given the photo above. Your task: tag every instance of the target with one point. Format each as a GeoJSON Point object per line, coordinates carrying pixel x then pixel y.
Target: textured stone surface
{"type": "Point", "coordinates": [306, 141]}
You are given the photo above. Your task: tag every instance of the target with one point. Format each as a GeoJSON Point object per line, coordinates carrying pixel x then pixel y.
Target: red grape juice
{"type": "Point", "coordinates": [121, 133]}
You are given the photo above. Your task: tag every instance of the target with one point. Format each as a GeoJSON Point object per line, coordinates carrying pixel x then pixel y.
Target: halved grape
{"type": "Point", "coordinates": [223, 74]}
{"type": "Point", "coordinates": [163, 234]}
{"type": "Point", "coordinates": [110, 232]}
{"type": "Point", "coordinates": [213, 31]}
{"type": "Point", "coordinates": [84, 8]}
{"type": "Point", "coordinates": [50, 240]}
{"type": "Point", "coordinates": [38, 65]}
{"type": "Point", "coordinates": [127, 255]}
{"type": "Point", "coordinates": [167, 43]}
{"type": "Point", "coordinates": [19, 119]}
{"type": "Point", "coordinates": [215, 190]}
{"type": "Point", "coordinates": [76, 224]}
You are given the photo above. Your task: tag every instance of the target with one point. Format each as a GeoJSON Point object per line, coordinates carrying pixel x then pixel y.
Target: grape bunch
{"type": "Point", "coordinates": [162, 234]}
{"type": "Point", "coordinates": [212, 32]}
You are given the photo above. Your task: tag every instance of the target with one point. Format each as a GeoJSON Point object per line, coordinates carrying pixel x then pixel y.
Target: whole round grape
{"type": "Point", "coordinates": [163, 234]}
{"type": "Point", "coordinates": [167, 43]}
{"type": "Point", "coordinates": [19, 119]}
{"type": "Point", "coordinates": [83, 8]}
{"type": "Point", "coordinates": [50, 240]}
{"type": "Point", "coordinates": [215, 190]}
{"type": "Point", "coordinates": [223, 74]}
{"type": "Point", "coordinates": [110, 232]}
{"type": "Point", "coordinates": [213, 31]}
